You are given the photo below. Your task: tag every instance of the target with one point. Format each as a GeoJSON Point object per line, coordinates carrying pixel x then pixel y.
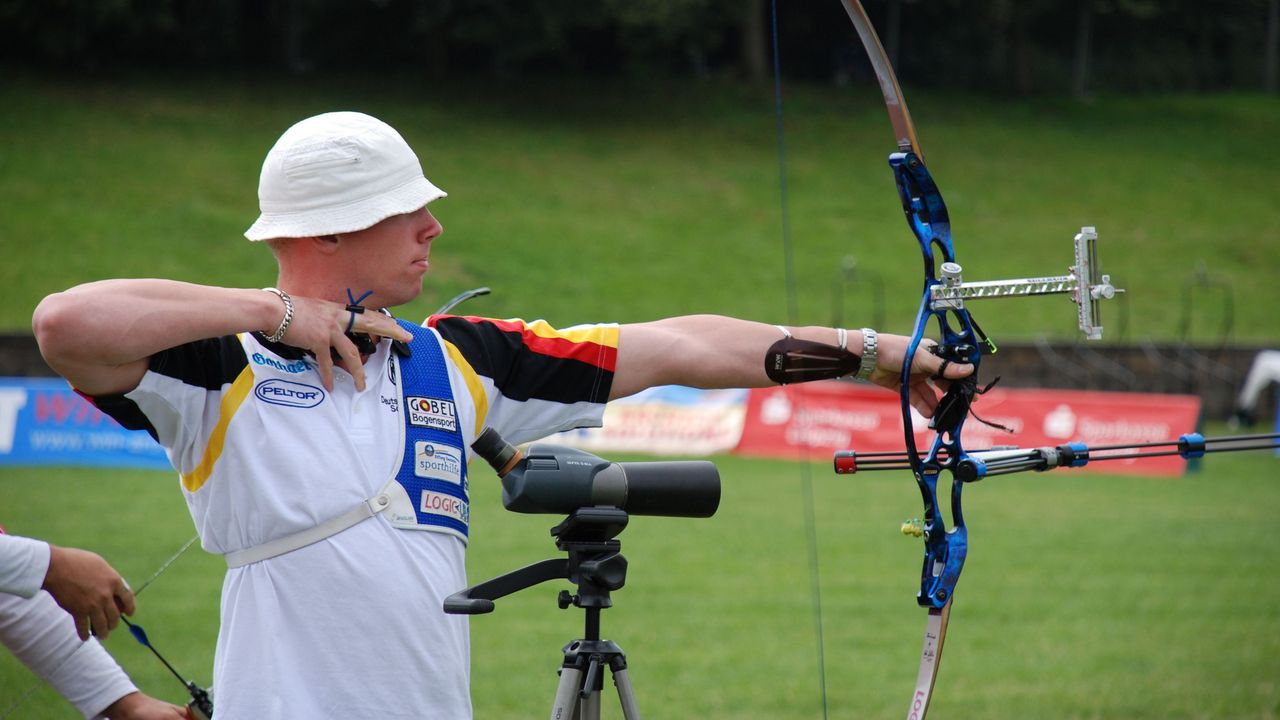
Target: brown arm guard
{"type": "Point", "coordinates": [792, 360]}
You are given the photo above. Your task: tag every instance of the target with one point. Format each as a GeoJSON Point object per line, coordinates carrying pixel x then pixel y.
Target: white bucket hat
{"type": "Point", "coordinates": [337, 172]}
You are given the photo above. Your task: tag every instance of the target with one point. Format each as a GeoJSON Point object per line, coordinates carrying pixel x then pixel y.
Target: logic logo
{"type": "Point", "coordinates": [434, 503]}
{"type": "Point", "coordinates": [289, 394]}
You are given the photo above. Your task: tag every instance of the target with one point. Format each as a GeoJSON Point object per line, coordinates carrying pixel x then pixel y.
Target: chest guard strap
{"type": "Point", "coordinates": [429, 490]}
{"type": "Point", "coordinates": [303, 538]}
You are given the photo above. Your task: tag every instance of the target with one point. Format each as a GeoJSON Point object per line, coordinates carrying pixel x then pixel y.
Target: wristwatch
{"type": "Point", "coordinates": [867, 363]}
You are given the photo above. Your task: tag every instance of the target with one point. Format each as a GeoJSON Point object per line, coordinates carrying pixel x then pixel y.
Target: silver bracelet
{"type": "Point", "coordinates": [842, 337]}
{"type": "Point", "coordinates": [278, 335]}
{"type": "Point", "coordinates": [867, 364]}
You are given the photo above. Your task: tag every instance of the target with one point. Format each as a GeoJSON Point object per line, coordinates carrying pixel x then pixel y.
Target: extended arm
{"type": "Point", "coordinates": [712, 351]}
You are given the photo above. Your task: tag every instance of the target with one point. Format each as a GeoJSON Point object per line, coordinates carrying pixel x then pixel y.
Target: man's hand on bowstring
{"type": "Point", "coordinates": [88, 588]}
{"type": "Point", "coordinates": [319, 325]}
{"type": "Point", "coordinates": [924, 388]}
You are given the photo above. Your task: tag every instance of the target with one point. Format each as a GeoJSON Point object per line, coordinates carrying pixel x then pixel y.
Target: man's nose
{"type": "Point", "coordinates": [434, 229]}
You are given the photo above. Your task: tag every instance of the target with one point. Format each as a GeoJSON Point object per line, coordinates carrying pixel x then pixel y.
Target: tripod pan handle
{"type": "Point", "coordinates": [460, 604]}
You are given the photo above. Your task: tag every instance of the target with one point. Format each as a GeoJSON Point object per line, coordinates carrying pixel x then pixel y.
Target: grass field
{"type": "Point", "coordinates": [643, 201]}
{"type": "Point", "coordinates": [1084, 596]}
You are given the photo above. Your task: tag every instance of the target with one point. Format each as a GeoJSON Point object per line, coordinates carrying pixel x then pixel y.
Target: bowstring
{"type": "Point", "coordinates": [806, 475]}
{"type": "Point", "coordinates": [41, 682]}
{"type": "Point", "coordinates": [166, 565]}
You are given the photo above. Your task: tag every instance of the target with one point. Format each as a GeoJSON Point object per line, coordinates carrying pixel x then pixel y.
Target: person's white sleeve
{"type": "Point", "coordinates": [23, 564]}
{"type": "Point", "coordinates": [43, 637]}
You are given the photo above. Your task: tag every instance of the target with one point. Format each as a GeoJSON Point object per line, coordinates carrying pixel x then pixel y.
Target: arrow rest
{"type": "Point", "coordinates": [958, 400]}
{"type": "Point", "coordinates": [201, 705]}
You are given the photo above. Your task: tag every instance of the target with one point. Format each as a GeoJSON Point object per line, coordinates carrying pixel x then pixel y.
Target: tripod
{"type": "Point", "coordinates": [597, 566]}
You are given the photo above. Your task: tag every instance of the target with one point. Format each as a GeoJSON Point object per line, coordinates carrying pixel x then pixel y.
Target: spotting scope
{"type": "Point", "coordinates": [556, 479]}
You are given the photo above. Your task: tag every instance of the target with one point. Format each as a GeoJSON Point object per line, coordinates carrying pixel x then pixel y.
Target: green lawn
{"type": "Point", "coordinates": [1084, 596]}
{"type": "Point", "coordinates": [641, 201]}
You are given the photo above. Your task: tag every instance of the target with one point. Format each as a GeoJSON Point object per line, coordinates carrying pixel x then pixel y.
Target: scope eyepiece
{"type": "Point", "coordinates": [500, 454]}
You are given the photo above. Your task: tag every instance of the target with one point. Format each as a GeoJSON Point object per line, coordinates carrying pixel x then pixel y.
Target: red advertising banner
{"type": "Point", "coordinates": [813, 420]}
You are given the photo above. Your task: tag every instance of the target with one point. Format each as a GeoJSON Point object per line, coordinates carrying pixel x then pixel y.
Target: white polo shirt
{"type": "Point", "coordinates": [351, 626]}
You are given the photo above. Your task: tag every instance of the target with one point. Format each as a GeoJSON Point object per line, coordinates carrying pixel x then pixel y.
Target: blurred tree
{"type": "Point", "coordinates": [1080, 62]}
{"type": "Point", "coordinates": [753, 41]}
{"type": "Point", "coordinates": [1013, 46]}
{"type": "Point", "coordinates": [1272, 47]}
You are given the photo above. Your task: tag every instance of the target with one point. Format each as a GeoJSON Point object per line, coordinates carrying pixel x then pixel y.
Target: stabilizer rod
{"type": "Point", "coordinates": [1003, 461]}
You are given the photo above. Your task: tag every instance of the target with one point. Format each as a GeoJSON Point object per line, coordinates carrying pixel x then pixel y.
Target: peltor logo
{"type": "Point", "coordinates": [289, 394]}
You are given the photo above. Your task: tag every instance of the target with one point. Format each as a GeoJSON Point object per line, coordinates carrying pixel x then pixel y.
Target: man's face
{"type": "Point", "coordinates": [391, 257]}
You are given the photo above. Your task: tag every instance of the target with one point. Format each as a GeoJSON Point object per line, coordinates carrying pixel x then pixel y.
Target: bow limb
{"type": "Point", "coordinates": [935, 634]}
{"type": "Point", "coordinates": [944, 550]}
{"type": "Point", "coordinates": [903, 129]}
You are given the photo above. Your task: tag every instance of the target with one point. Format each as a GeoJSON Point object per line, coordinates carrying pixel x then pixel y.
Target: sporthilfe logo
{"type": "Point", "coordinates": [437, 462]}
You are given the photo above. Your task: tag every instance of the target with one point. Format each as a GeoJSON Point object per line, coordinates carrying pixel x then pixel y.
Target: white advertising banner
{"type": "Point", "coordinates": [667, 420]}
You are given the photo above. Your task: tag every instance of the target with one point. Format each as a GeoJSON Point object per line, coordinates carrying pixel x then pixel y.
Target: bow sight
{"type": "Point", "coordinates": [1086, 285]}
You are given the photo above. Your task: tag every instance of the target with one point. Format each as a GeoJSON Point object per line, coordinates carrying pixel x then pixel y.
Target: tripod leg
{"type": "Point", "coordinates": [592, 682]}
{"type": "Point", "coordinates": [566, 703]}
{"type": "Point", "coordinates": [625, 694]}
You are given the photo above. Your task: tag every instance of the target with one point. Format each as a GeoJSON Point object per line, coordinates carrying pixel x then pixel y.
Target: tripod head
{"type": "Point", "coordinates": [595, 563]}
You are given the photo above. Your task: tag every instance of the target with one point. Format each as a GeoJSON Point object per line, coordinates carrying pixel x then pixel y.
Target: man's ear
{"type": "Point", "coordinates": [327, 244]}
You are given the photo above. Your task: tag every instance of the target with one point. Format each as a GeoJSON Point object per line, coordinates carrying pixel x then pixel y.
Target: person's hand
{"type": "Point", "coordinates": [84, 585]}
{"type": "Point", "coordinates": [924, 390]}
{"type": "Point", "coordinates": [136, 706]}
{"type": "Point", "coordinates": [319, 325]}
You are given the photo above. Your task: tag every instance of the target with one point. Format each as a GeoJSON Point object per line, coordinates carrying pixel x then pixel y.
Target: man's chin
{"type": "Point", "coordinates": [404, 295]}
